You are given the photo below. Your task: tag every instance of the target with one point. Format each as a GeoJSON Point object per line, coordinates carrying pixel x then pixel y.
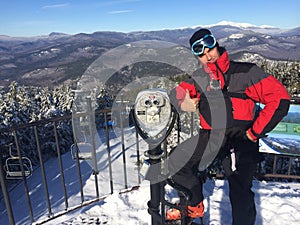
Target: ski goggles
{"type": "Point", "coordinates": [208, 41]}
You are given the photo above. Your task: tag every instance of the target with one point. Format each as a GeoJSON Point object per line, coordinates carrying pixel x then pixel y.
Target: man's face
{"type": "Point", "coordinates": [209, 55]}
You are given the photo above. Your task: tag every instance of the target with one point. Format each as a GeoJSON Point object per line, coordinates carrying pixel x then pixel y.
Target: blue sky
{"type": "Point", "coordinates": [41, 17]}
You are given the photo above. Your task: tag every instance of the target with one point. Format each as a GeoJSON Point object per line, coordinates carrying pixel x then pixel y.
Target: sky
{"type": "Point", "coordinates": [32, 17]}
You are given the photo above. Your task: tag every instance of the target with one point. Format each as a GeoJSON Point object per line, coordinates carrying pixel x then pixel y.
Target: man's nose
{"type": "Point", "coordinates": [208, 56]}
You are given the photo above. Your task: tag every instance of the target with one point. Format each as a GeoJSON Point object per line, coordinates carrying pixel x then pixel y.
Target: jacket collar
{"type": "Point", "coordinates": [222, 64]}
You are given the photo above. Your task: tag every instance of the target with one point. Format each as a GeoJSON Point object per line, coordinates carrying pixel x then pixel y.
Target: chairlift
{"type": "Point", "coordinates": [13, 167]}
{"type": "Point", "coordinates": [82, 149]}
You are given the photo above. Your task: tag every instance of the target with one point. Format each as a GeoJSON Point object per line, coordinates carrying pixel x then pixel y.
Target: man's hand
{"type": "Point", "coordinates": [239, 134]}
{"type": "Point", "coordinates": [250, 136]}
{"type": "Point", "coordinates": [189, 104]}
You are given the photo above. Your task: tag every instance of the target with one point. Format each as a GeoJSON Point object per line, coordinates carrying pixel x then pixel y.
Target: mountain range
{"type": "Point", "coordinates": [56, 58]}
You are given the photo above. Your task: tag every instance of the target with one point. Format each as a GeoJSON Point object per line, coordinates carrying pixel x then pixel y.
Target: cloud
{"type": "Point", "coordinates": [120, 11]}
{"type": "Point", "coordinates": [55, 6]}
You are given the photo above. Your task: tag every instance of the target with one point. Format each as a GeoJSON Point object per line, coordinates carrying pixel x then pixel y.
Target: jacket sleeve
{"type": "Point", "coordinates": [178, 93]}
{"type": "Point", "coordinates": [270, 92]}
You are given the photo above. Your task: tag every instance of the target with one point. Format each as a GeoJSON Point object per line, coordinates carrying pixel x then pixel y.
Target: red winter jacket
{"type": "Point", "coordinates": [249, 81]}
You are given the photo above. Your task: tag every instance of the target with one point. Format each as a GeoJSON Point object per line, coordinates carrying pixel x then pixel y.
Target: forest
{"type": "Point", "coordinates": [20, 105]}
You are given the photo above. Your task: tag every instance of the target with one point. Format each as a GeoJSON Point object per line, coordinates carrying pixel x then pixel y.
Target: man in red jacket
{"type": "Point", "coordinates": [225, 93]}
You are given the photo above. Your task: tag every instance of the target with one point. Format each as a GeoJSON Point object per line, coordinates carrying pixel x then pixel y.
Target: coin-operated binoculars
{"type": "Point", "coordinates": [153, 115]}
{"type": "Point", "coordinates": [154, 118]}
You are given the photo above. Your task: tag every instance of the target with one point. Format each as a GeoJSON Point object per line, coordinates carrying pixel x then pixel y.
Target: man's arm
{"type": "Point", "coordinates": [270, 92]}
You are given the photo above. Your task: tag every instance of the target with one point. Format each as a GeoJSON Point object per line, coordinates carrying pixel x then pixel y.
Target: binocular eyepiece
{"type": "Point", "coordinates": [152, 114]}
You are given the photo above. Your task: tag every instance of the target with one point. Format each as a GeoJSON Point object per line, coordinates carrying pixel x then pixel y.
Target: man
{"type": "Point", "coordinates": [241, 86]}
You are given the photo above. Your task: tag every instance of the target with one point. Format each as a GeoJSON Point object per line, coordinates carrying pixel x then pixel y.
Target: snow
{"type": "Point", "coordinates": [239, 25]}
{"type": "Point", "coordinates": [253, 39]}
{"type": "Point", "coordinates": [234, 24]}
{"type": "Point", "coordinates": [236, 36]}
{"type": "Point", "coordinates": [277, 202]}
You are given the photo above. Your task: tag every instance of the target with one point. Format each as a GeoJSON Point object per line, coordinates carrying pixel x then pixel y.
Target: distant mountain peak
{"type": "Point", "coordinates": [233, 24]}
{"type": "Point", "coordinates": [236, 24]}
{"type": "Point", "coordinates": [57, 34]}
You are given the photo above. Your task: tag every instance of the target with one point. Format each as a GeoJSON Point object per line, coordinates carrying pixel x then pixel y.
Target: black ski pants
{"type": "Point", "coordinates": [202, 149]}
{"type": "Point", "coordinates": [240, 183]}
{"type": "Point", "coordinates": [185, 159]}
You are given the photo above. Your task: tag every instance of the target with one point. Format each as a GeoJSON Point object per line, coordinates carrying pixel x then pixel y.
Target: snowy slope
{"type": "Point", "coordinates": [277, 203]}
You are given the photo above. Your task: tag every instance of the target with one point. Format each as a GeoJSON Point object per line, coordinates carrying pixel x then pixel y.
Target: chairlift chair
{"type": "Point", "coordinates": [13, 167]}
{"type": "Point", "coordinates": [83, 149]}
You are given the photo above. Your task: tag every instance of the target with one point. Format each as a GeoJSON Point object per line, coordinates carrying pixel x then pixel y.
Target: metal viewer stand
{"type": "Point", "coordinates": [154, 118]}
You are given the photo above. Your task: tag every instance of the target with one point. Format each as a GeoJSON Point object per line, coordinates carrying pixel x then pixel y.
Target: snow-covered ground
{"type": "Point", "coordinates": [277, 202]}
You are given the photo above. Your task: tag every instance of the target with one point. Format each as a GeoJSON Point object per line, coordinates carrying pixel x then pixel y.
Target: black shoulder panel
{"type": "Point", "coordinates": [243, 75]}
{"type": "Point", "coordinates": [239, 67]}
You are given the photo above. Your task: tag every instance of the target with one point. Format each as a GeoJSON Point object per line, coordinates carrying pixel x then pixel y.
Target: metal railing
{"type": "Point", "coordinates": [23, 178]}
{"type": "Point", "coordinates": [275, 173]}
{"type": "Point", "coordinates": [283, 167]}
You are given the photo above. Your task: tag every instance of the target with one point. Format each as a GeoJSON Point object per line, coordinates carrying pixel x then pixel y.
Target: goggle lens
{"type": "Point", "coordinates": [208, 41]}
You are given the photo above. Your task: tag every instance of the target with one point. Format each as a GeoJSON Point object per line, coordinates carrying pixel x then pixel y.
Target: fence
{"type": "Point", "coordinates": [279, 169]}
{"type": "Point", "coordinates": [16, 168]}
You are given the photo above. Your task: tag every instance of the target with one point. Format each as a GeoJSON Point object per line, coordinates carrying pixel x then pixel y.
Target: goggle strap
{"type": "Point", "coordinates": [203, 43]}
